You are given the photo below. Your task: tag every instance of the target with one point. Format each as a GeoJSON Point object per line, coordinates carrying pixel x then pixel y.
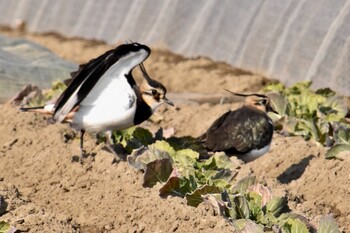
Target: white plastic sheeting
{"type": "Point", "coordinates": [23, 62]}
{"type": "Point", "coordinates": [290, 40]}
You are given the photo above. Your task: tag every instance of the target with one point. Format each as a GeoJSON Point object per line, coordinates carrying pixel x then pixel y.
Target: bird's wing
{"type": "Point", "coordinates": [254, 132]}
{"type": "Point", "coordinates": [123, 59]}
{"type": "Point", "coordinates": [214, 126]}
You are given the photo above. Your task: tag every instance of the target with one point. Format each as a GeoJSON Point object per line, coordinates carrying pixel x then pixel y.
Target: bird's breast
{"type": "Point", "coordinates": [113, 109]}
{"type": "Point", "coordinates": [255, 153]}
{"type": "Point", "coordinates": [101, 118]}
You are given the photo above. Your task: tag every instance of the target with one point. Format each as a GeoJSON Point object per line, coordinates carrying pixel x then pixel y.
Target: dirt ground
{"type": "Point", "coordinates": [47, 192]}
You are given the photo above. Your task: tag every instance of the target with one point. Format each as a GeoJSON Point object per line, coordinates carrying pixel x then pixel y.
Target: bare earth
{"type": "Point", "coordinates": [48, 192]}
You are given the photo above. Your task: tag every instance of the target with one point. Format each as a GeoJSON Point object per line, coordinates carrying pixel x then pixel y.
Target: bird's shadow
{"type": "Point", "coordinates": [117, 150]}
{"type": "Point", "coordinates": [295, 171]}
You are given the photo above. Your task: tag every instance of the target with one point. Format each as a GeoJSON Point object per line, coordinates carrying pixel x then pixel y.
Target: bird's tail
{"type": "Point", "coordinates": [48, 109]}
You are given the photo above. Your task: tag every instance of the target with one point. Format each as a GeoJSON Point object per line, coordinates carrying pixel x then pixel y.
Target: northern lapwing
{"type": "Point", "coordinates": [103, 96]}
{"type": "Point", "coordinates": [246, 132]}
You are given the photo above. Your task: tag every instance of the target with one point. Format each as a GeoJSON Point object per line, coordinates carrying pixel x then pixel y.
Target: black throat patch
{"type": "Point", "coordinates": [143, 111]}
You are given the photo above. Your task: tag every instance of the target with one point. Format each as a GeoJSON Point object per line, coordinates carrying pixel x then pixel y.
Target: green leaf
{"type": "Point", "coordinates": [274, 87]}
{"type": "Point", "coordinates": [263, 191]}
{"type": "Point", "coordinates": [276, 206]}
{"type": "Point", "coordinates": [313, 128]}
{"type": "Point", "coordinates": [299, 87]}
{"type": "Point", "coordinates": [294, 226]}
{"type": "Point", "coordinates": [247, 226]}
{"type": "Point", "coordinates": [143, 136]}
{"type": "Point", "coordinates": [290, 215]}
{"type": "Point", "coordinates": [341, 134]}
{"type": "Point", "coordinates": [251, 227]}
{"type": "Point", "coordinates": [6, 227]}
{"type": "Point", "coordinates": [56, 89]}
{"type": "Point", "coordinates": [255, 206]}
{"type": "Point", "coordinates": [216, 202]}
{"type": "Point", "coordinates": [185, 161]}
{"type": "Point", "coordinates": [172, 187]}
{"type": "Point", "coordinates": [289, 125]}
{"type": "Point", "coordinates": [195, 198]}
{"type": "Point", "coordinates": [222, 177]}
{"type": "Point", "coordinates": [244, 184]}
{"type": "Point", "coordinates": [279, 103]}
{"type": "Point", "coordinates": [299, 227]}
{"type": "Point", "coordinates": [326, 92]}
{"type": "Point", "coordinates": [141, 157]}
{"type": "Point", "coordinates": [334, 108]}
{"type": "Point", "coordinates": [308, 114]}
{"type": "Point", "coordinates": [163, 146]}
{"type": "Point", "coordinates": [334, 151]}
{"type": "Point", "coordinates": [185, 157]}
{"type": "Point", "coordinates": [304, 105]}
{"type": "Point", "coordinates": [239, 224]}
{"type": "Point", "coordinates": [241, 207]}
{"type": "Point", "coordinates": [327, 224]}
{"type": "Point", "coordinates": [133, 138]}
{"type": "Point", "coordinates": [157, 171]}
{"type": "Point", "coordinates": [218, 161]}
{"type": "Point", "coordinates": [178, 186]}
{"type": "Point", "coordinates": [220, 183]}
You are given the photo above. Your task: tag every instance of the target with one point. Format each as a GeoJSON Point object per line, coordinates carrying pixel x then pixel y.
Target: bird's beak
{"type": "Point", "coordinates": [270, 109]}
{"type": "Point", "coordinates": [166, 100]}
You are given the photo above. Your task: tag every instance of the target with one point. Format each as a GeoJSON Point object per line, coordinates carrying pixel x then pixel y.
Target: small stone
{"type": "Point", "coordinates": [109, 227]}
{"type": "Point", "coordinates": [186, 218]}
{"type": "Point", "coordinates": [175, 226]}
{"type": "Point", "coordinates": [212, 224]}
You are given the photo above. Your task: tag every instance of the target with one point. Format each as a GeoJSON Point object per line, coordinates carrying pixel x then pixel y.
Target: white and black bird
{"type": "Point", "coordinates": [103, 96]}
{"type": "Point", "coordinates": [246, 132]}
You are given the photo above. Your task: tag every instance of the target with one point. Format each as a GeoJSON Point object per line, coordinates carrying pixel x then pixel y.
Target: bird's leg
{"type": "Point", "coordinates": [110, 147]}
{"type": "Point", "coordinates": [82, 152]}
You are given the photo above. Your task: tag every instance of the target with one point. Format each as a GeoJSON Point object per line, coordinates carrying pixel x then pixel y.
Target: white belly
{"type": "Point", "coordinates": [96, 119]}
{"type": "Point", "coordinates": [111, 105]}
{"type": "Point", "coordinates": [254, 154]}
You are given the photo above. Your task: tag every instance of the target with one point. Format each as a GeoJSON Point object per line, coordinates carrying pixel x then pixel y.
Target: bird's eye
{"type": "Point", "coordinates": [154, 92]}
{"type": "Point", "coordinates": [263, 101]}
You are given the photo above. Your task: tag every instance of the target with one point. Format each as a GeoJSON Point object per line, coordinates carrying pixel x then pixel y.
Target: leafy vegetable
{"type": "Point", "coordinates": [175, 186]}
{"type": "Point", "coordinates": [336, 150]}
{"type": "Point", "coordinates": [243, 185]}
{"type": "Point", "coordinates": [141, 157]}
{"type": "Point", "coordinates": [133, 138]}
{"type": "Point", "coordinates": [56, 89]}
{"type": "Point", "coordinates": [276, 205]}
{"type": "Point", "coordinates": [319, 115]}
{"type": "Point", "coordinates": [251, 227]}
{"type": "Point", "coordinates": [195, 198]}
{"type": "Point", "coordinates": [294, 226]}
{"type": "Point", "coordinates": [327, 225]}
{"type": "Point", "coordinates": [157, 171]}
{"type": "Point", "coordinates": [6, 227]}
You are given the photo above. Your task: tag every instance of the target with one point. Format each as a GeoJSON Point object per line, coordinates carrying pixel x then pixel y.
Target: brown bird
{"type": "Point", "coordinates": [246, 132]}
